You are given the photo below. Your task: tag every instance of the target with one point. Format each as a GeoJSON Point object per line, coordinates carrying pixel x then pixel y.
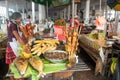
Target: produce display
{"type": "Point", "coordinates": [113, 65]}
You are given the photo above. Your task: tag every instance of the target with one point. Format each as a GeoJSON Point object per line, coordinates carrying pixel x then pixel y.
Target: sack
{"type": "Point", "coordinates": [14, 45]}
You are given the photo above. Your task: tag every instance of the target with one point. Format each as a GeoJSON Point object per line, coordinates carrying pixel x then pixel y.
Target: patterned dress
{"type": "Point", "coordinates": [10, 56]}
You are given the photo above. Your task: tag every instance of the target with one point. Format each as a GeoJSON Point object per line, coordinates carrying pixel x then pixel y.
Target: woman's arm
{"type": "Point", "coordinates": [24, 39]}
{"type": "Point", "coordinates": [20, 40]}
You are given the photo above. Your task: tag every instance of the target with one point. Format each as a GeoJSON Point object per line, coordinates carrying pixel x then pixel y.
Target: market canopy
{"type": "Point", "coordinates": [52, 2]}
{"type": "Point", "coordinates": [114, 4]}
{"type": "Point", "coordinates": [44, 2]}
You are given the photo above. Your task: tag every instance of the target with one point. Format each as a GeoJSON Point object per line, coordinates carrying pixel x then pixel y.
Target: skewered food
{"type": "Point", "coordinates": [28, 30]}
{"type": "Point", "coordinates": [41, 46]}
{"type": "Point", "coordinates": [71, 45]}
{"type": "Point", "coordinates": [21, 64]}
{"type": "Point", "coordinates": [38, 65]}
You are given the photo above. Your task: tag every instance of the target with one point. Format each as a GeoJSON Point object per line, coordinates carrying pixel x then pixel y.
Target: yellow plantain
{"type": "Point", "coordinates": [35, 52]}
{"type": "Point", "coordinates": [52, 41]}
{"type": "Point", "coordinates": [37, 45]}
{"type": "Point", "coordinates": [39, 53]}
{"type": "Point", "coordinates": [111, 68]}
{"type": "Point", "coordinates": [39, 41]}
{"type": "Point", "coordinates": [53, 47]}
{"type": "Point", "coordinates": [35, 48]}
{"type": "Point", "coordinates": [43, 49]}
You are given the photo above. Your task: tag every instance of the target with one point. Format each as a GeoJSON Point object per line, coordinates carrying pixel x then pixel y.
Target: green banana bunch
{"type": "Point", "coordinates": [113, 65]}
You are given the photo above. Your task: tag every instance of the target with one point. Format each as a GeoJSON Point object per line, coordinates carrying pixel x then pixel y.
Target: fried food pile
{"type": "Point", "coordinates": [37, 65]}
{"type": "Point", "coordinates": [22, 64]}
{"type": "Point", "coordinates": [28, 30]}
{"type": "Point", "coordinates": [56, 55]}
{"type": "Point", "coordinates": [41, 46]}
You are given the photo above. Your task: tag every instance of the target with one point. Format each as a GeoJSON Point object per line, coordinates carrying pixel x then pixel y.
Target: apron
{"type": "Point", "coordinates": [15, 44]}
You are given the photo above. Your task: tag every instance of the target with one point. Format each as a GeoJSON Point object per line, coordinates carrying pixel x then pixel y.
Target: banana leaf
{"type": "Point", "coordinates": [48, 68]}
{"type": "Point", "coordinates": [17, 74]}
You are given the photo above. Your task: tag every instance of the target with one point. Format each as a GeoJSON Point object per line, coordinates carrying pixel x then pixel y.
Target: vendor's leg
{"type": "Point", "coordinates": [12, 78]}
{"type": "Point", "coordinates": [99, 67]}
{"type": "Point", "coordinates": [20, 79]}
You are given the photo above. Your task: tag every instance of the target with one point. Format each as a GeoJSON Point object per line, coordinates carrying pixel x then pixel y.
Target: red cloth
{"type": "Point", "coordinates": [58, 32]}
{"type": "Point", "coordinates": [10, 56]}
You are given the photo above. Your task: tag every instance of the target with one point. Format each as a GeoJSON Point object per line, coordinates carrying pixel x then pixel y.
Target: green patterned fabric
{"type": "Point", "coordinates": [52, 2]}
{"type": "Point", "coordinates": [43, 2]}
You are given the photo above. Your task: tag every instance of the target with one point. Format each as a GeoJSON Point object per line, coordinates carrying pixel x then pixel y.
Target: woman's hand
{"type": "Point", "coordinates": [17, 36]}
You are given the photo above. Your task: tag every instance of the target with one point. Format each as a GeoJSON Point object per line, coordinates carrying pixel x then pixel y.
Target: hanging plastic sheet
{"type": "Point", "coordinates": [114, 4]}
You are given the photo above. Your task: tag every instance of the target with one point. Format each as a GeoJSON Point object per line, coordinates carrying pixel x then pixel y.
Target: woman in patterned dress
{"type": "Point", "coordinates": [14, 34]}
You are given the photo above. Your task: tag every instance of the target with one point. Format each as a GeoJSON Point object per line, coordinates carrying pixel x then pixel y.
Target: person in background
{"type": "Point", "coordinates": [28, 20]}
{"type": "Point", "coordinates": [76, 21]}
{"type": "Point", "coordinates": [14, 37]}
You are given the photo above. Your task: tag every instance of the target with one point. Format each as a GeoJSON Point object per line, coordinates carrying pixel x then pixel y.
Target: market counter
{"type": "Point", "coordinates": [56, 70]}
{"type": "Point", "coordinates": [97, 50]}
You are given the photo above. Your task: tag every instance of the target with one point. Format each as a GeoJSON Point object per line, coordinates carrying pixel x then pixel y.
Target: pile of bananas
{"type": "Point", "coordinates": [41, 46]}
{"type": "Point", "coordinates": [113, 64]}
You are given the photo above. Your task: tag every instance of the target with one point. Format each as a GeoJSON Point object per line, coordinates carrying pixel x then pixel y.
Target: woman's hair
{"type": "Point", "coordinates": [15, 16]}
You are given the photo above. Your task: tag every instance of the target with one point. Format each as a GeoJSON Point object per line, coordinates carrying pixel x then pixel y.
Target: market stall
{"type": "Point", "coordinates": [47, 55]}
{"type": "Point", "coordinates": [97, 50]}
{"type": "Point", "coordinates": [3, 43]}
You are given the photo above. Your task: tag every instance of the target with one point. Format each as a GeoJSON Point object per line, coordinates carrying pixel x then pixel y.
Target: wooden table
{"type": "Point", "coordinates": [92, 47]}
{"type": "Point", "coordinates": [80, 66]}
